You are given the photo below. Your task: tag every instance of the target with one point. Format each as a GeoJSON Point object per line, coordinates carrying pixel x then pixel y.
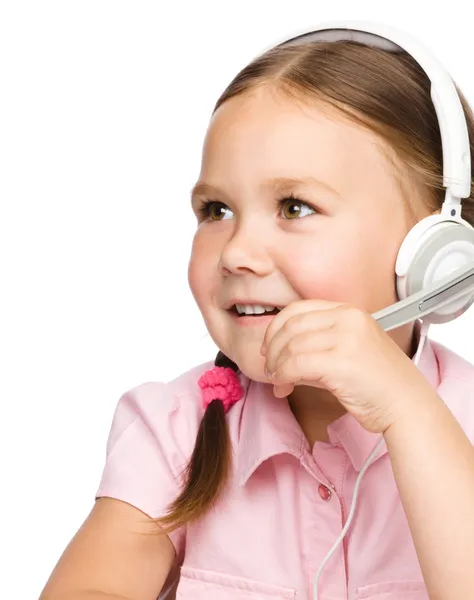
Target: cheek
{"type": "Point", "coordinates": [201, 268]}
{"type": "Point", "coordinates": [334, 276]}
{"type": "Point", "coordinates": [359, 274]}
{"type": "Point", "coordinates": [194, 278]}
{"type": "Point", "coordinates": [324, 270]}
{"type": "Point", "coordinates": [349, 271]}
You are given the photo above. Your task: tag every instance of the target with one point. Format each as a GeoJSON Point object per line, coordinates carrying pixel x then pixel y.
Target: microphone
{"type": "Point", "coordinates": [428, 300]}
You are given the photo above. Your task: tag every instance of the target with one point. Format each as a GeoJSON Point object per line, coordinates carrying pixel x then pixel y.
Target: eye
{"type": "Point", "coordinates": [294, 208]}
{"type": "Point", "coordinates": [211, 210]}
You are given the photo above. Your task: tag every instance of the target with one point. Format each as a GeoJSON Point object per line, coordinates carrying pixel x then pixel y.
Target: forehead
{"type": "Point", "coordinates": [261, 135]}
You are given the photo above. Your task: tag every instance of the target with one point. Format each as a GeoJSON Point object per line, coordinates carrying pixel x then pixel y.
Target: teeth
{"type": "Point", "coordinates": [255, 309]}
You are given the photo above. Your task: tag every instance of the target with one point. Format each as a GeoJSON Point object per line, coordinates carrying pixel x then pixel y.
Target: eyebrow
{"type": "Point", "coordinates": [276, 184]}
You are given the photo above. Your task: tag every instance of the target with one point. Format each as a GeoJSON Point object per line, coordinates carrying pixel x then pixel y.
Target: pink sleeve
{"type": "Point", "coordinates": [143, 457]}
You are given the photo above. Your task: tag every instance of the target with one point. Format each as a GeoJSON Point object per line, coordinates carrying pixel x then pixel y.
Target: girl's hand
{"type": "Point", "coordinates": [342, 349]}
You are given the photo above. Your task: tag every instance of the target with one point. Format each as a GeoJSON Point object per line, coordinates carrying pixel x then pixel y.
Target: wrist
{"type": "Point", "coordinates": [414, 405]}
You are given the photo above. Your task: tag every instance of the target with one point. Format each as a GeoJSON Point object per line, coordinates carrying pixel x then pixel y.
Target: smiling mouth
{"type": "Point", "coordinates": [246, 311]}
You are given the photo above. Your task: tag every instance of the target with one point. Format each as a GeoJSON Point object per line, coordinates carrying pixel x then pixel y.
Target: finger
{"type": "Point", "coordinates": [281, 391]}
{"type": "Point", "coordinates": [298, 329]}
{"type": "Point", "coordinates": [306, 343]}
{"type": "Point", "coordinates": [292, 309]}
{"type": "Point", "coordinates": [307, 368]}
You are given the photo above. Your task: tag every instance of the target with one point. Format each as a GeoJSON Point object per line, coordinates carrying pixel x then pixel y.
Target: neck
{"type": "Point", "coordinates": [316, 408]}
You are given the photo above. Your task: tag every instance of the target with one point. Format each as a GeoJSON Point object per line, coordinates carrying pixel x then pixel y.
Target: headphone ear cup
{"type": "Point", "coordinates": [439, 251]}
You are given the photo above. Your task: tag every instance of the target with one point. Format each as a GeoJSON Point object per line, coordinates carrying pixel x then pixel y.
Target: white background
{"type": "Point", "coordinates": [104, 105]}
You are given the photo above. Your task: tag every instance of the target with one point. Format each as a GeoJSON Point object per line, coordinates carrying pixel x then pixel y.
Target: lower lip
{"type": "Point", "coordinates": [248, 321]}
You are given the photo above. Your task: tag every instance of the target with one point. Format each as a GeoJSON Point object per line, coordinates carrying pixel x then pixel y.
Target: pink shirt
{"type": "Point", "coordinates": [286, 503]}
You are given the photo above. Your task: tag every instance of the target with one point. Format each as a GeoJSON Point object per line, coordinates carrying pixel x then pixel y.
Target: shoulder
{"type": "Point", "coordinates": [452, 366]}
{"type": "Point", "coordinates": [456, 386]}
{"type": "Point", "coordinates": [171, 411]}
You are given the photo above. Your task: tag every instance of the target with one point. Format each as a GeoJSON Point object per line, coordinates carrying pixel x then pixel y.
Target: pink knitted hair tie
{"type": "Point", "coordinates": [220, 383]}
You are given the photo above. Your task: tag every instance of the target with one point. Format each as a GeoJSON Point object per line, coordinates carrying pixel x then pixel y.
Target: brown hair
{"type": "Point", "coordinates": [388, 93]}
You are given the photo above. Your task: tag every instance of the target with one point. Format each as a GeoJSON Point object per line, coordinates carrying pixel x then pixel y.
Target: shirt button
{"type": "Point", "coordinates": [324, 492]}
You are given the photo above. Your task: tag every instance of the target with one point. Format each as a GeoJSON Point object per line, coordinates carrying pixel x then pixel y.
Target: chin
{"type": "Point", "coordinates": [253, 368]}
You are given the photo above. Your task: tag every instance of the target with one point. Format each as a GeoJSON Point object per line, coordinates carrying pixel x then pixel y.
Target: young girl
{"type": "Point", "coordinates": [318, 160]}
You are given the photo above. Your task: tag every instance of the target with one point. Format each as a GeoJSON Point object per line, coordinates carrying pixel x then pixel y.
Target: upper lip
{"type": "Point", "coordinates": [242, 301]}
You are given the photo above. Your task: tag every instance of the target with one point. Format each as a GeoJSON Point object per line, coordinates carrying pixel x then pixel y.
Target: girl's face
{"type": "Point", "coordinates": [304, 204]}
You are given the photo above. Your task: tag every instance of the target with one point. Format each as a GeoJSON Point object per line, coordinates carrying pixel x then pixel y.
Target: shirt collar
{"type": "Point", "coordinates": [268, 427]}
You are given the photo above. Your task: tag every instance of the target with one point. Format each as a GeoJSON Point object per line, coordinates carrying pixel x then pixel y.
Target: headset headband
{"type": "Point", "coordinates": [451, 119]}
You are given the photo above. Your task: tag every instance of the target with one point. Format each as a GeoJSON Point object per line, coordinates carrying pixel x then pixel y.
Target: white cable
{"type": "Point", "coordinates": [423, 333]}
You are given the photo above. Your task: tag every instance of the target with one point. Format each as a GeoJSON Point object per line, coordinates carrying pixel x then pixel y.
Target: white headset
{"type": "Point", "coordinates": [435, 262]}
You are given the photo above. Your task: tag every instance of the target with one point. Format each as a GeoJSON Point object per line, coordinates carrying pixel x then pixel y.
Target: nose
{"type": "Point", "coordinates": [245, 252]}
